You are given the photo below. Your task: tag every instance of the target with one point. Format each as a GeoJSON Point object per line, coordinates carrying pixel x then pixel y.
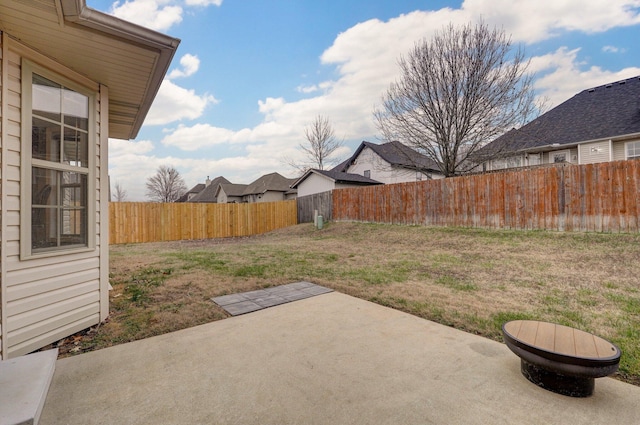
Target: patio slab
{"type": "Point", "coordinates": [248, 302]}
{"type": "Point", "coordinates": [329, 359]}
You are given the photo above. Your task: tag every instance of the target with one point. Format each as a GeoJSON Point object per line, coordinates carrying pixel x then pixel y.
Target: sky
{"type": "Point", "coordinates": [251, 75]}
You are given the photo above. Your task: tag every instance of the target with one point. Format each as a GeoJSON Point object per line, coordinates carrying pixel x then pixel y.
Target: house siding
{"type": "Point", "coordinates": [3, 128]}
{"type": "Point", "coordinates": [593, 153]}
{"type": "Point", "coordinates": [47, 298]}
{"type": "Point", "coordinates": [270, 196]}
{"type": "Point", "coordinates": [315, 183]}
{"type": "Point", "coordinates": [381, 170]}
{"type": "Point", "coordinates": [619, 151]}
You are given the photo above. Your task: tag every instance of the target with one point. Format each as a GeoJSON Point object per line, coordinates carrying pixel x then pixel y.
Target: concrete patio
{"type": "Point", "coordinates": [329, 359]}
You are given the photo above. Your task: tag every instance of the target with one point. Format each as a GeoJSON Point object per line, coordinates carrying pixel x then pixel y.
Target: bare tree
{"type": "Point", "coordinates": [457, 91]}
{"type": "Point", "coordinates": [166, 185]}
{"type": "Point", "coordinates": [321, 144]}
{"type": "Point", "coordinates": [119, 193]}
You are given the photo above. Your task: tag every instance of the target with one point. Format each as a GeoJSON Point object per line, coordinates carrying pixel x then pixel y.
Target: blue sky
{"type": "Point", "coordinates": [249, 75]}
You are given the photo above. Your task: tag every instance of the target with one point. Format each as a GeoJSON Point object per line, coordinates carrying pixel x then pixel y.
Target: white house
{"type": "Point", "coordinates": [71, 77]}
{"type": "Point", "coordinates": [390, 162]}
{"type": "Point", "coordinates": [318, 181]}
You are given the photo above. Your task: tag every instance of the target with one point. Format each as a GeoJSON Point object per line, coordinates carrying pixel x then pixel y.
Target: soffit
{"type": "Point", "coordinates": [130, 60]}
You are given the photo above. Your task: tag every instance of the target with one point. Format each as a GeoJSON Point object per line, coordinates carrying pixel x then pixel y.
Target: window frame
{"type": "Point", "coordinates": [626, 149]}
{"type": "Point", "coordinates": [566, 152]}
{"type": "Point", "coordinates": [28, 163]}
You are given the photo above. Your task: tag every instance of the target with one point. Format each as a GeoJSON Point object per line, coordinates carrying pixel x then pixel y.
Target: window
{"type": "Point", "coordinates": [367, 173]}
{"type": "Point", "coordinates": [57, 150]}
{"type": "Point", "coordinates": [534, 159]}
{"type": "Point", "coordinates": [558, 156]}
{"type": "Point", "coordinates": [633, 150]}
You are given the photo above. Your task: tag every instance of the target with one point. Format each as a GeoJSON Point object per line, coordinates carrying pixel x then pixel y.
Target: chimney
{"type": "Point", "coordinates": [207, 182]}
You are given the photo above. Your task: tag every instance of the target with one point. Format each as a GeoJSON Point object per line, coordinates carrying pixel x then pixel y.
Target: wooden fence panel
{"type": "Point", "coordinates": [594, 197]}
{"type": "Point", "coordinates": [134, 222]}
{"type": "Point", "coordinates": [322, 202]}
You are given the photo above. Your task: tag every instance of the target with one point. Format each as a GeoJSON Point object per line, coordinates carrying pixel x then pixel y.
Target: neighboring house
{"type": "Point", "coordinates": [187, 197]}
{"type": "Point", "coordinates": [317, 181]}
{"type": "Point", "coordinates": [67, 86]}
{"type": "Point", "coordinates": [269, 188]}
{"type": "Point", "coordinates": [597, 125]}
{"type": "Point", "coordinates": [230, 193]}
{"type": "Point", "coordinates": [390, 162]}
{"type": "Point", "coordinates": [208, 194]}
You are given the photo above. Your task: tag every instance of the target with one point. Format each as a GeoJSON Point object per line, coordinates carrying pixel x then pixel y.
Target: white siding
{"type": "Point", "coordinates": [3, 220]}
{"type": "Point", "coordinates": [222, 197]}
{"type": "Point", "coordinates": [593, 153]}
{"type": "Point", "coordinates": [315, 183]}
{"type": "Point", "coordinates": [619, 151]}
{"type": "Point", "coordinates": [270, 196]}
{"type": "Point", "coordinates": [45, 299]}
{"type": "Point", "coordinates": [382, 171]}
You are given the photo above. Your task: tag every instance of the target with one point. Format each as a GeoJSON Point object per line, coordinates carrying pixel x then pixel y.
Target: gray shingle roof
{"type": "Point", "coordinates": [395, 153]}
{"type": "Point", "coordinates": [338, 177]}
{"type": "Point", "coordinates": [194, 190]}
{"type": "Point", "coordinates": [232, 189]}
{"type": "Point", "coordinates": [269, 182]}
{"type": "Point", "coordinates": [208, 194]}
{"type": "Point", "coordinates": [602, 112]}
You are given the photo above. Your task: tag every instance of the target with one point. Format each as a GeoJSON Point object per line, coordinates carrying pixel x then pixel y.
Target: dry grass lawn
{"type": "Point", "coordinates": [470, 279]}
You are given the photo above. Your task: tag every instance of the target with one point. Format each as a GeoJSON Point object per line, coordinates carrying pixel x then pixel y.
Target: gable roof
{"type": "Point", "coordinates": [337, 177]}
{"type": "Point", "coordinates": [396, 154]}
{"type": "Point", "coordinates": [232, 189]}
{"type": "Point", "coordinates": [604, 112]}
{"type": "Point", "coordinates": [101, 47]}
{"type": "Point", "coordinates": [269, 182]}
{"type": "Point", "coordinates": [208, 194]}
{"type": "Point", "coordinates": [195, 189]}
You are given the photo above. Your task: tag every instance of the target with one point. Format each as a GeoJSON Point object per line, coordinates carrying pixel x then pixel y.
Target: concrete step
{"type": "Point", "coordinates": [24, 383]}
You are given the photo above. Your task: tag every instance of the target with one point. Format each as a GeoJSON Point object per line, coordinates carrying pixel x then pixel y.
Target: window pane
{"type": "Point", "coordinates": [44, 229]}
{"type": "Point", "coordinates": [46, 98]}
{"type": "Point", "coordinates": [73, 227]}
{"type": "Point", "coordinates": [75, 107]}
{"type": "Point", "coordinates": [45, 140]}
{"type": "Point", "coordinates": [74, 189]}
{"type": "Point", "coordinates": [44, 187]}
{"type": "Point", "coordinates": [75, 150]}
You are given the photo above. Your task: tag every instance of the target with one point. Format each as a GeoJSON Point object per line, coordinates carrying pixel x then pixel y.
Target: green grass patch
{"type": "Point", "coordinates": [142, 283]}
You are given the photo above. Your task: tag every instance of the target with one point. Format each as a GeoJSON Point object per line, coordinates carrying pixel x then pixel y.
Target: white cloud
{"type": "Point", "coordinates": [307, 89]}
{"type": "Point", "coordinates": [175, 103]}
{"type": "Point", "coordinates": [613, 49]}
{"type": "Point", "coordinates": [119, 147]}
{"type": "Point", "coordinates": [203, 2]}
{"type": "Point", "coordinates": [190, 65]}
{"type": "Point", "coordinates": [561, 75]}
{"type": "Point", "coordinates": [158, 15]}
{"type": "Point", "coordinates": [532, 21]}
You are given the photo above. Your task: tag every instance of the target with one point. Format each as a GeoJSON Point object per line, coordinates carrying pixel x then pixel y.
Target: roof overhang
{"type": "Point", "coordinates": [128, 59]}
{"type": "Point", "coordinates": [562, 146]}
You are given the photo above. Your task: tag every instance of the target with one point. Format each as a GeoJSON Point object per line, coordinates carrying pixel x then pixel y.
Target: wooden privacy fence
{"type": "Point", "coordinates": [132, 222]}
{"type": "Point", "coordinates": [321, 202]}
{"type": "Point", "coordinates": [595, 197]}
